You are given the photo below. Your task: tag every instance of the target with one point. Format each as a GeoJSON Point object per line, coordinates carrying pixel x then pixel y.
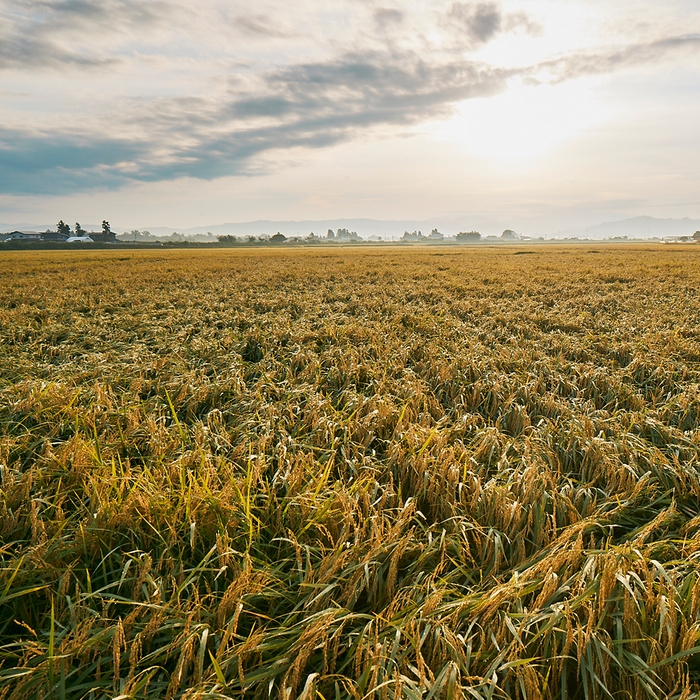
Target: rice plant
{"type": "Point", "coordinates": [329, 474]}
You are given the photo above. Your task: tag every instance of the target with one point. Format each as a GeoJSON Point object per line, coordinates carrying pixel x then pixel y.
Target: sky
{"type": "Point", "coordinates": [539, 114]}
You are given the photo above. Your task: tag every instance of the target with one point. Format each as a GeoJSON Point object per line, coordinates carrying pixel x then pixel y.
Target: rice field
{"type": "Point", "coordinates": [350, 474]}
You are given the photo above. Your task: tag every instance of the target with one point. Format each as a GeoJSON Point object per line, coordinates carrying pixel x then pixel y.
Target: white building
{"type": "Point", "coordinates": [22, 236]}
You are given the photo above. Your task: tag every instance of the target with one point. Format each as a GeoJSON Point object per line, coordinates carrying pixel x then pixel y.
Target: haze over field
{"type": "Point", "coordinates": [540, 115]}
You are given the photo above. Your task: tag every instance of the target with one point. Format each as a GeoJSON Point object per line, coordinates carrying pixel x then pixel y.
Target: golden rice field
{"type": "Point", "coordinates": [431, 473]}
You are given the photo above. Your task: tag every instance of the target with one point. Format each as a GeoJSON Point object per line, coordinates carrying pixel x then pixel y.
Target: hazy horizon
{"type": "Point", "coordinates": [529, 114]}
{"type": "Point", "coordinates": [638, 228]}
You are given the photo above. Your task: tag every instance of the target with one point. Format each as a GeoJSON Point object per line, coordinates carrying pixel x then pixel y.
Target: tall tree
{"type": "Point", "coordinates": [63, 228]}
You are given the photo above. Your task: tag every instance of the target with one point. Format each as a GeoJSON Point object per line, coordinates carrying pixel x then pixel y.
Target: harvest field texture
{"type": "Point", "coordinates": [326, 474]}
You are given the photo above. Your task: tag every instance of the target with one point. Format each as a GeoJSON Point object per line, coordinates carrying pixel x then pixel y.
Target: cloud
{"type": "Point", "coordinates": [306, 105]}
{"type": "Point", "coordinates": [259, 25]}
{"type": "Point", "coordinates": [313, 105]}
{"type": "Point", "coordinates": [41, 33]}
{"type": "Point", "coordinates": [385, 17]}
{"type": "Point", "coordinates": [479, 21]}
{"type": "Point", "coordinates": [63, 163]}
{"type": "Point", "coordinates": [112, 13]}
{"type": "Point", "coordinates": [521, 22]}
{"type": "Point", "coordinates": [581, 64]}
{"type": "Point", "coordinates": [310, 105]}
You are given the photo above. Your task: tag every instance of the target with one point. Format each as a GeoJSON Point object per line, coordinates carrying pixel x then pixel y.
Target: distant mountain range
{"type": "Point", "coordinates": [637, 227]}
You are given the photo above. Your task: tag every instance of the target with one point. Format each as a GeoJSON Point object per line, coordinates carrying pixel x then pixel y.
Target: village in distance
{"type": "Point", "coordinates": [78, 237]}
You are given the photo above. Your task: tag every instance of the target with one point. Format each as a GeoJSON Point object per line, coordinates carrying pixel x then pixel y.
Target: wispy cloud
{"type": "Point", "coordinates": [601, 62]}
{"type": "Point", "coordinates": [385, 17]}
{"type": "Point", "coordinates": [474, 24]}
{"type": "Point", "coordinates": [71, 32]}
{"type": "Point", "coordinates": [260, 25]}
{"type": "Point", "coordinates": [479, 21]}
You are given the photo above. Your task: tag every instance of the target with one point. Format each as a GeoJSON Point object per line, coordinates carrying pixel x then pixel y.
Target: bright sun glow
{"type": "Point", "coordinates": [524, 123]}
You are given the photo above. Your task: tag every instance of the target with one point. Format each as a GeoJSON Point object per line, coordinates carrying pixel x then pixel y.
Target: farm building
{"type": "Point", "coordinates": [103, 236]}
{"type": "Point", "coordinates": [54, 236]}
{"type": "Point", "coordinates": [22, 236]}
